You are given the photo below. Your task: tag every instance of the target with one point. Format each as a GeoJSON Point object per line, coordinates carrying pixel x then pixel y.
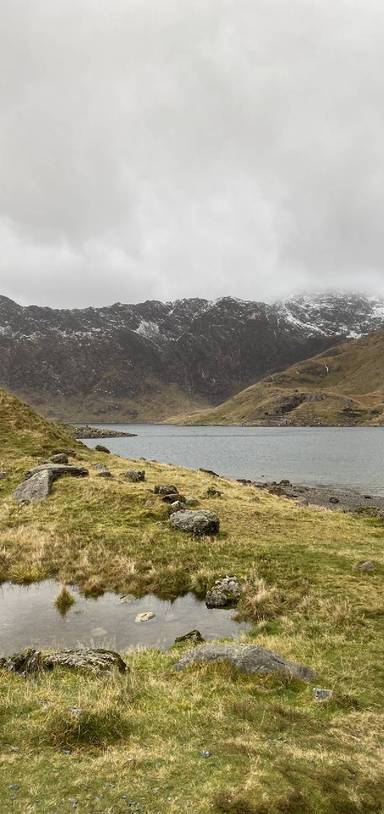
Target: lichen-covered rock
{"type": "Point", "coordinates": [247, 659]}
{"type": "Point", "coordinates": [135, 475]}
{"type": "Point", "coordinates": [165, 489]}
{"type": "Point", "coordinates": [35, 488]}
{"type": "Point", "coordinates": [33, 661]}
{"type": "Point", "coordinates": [198, 522]}
{"type": "Point", "coordinates": [224, 593]}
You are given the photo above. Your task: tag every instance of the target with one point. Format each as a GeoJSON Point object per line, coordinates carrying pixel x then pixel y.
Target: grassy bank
{"type": "Point", "coordinates": [140, 742]}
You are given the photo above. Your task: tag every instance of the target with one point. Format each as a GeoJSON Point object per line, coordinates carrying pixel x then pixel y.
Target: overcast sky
{"type": "Point", "coordinates": [176, 148]}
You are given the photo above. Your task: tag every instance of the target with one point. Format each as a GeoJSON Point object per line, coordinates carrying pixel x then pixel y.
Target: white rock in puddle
{"type": "Point", "coordinates": [98, 632]}
{"type": "Point", "coordinates": [144, 617]}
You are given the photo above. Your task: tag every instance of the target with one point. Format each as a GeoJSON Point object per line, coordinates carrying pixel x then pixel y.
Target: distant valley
{"type": "Point", "coordinates": [152, 361]}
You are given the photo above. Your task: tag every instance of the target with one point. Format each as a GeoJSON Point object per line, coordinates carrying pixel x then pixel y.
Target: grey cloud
{"type": "Point", "coordinates": [167, 149]}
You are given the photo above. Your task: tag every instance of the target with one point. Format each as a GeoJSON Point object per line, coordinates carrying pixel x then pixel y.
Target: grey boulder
{"type": "Point", "coordinates": [195, 522]}
{"type": "Point", "coordinates": [224, 593]}
{"type": "Point", "coordinates": [165, 489]}
{"type": "Point", "coordinates": [35, 488]}
{"type": "Point", "coordinates": [58, 470]}
{"type": "Point", "coordinates": [247, 659]}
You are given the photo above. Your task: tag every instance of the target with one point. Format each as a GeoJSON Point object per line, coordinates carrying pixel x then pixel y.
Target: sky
{"type": "Point", "coordinates": [159, 149]}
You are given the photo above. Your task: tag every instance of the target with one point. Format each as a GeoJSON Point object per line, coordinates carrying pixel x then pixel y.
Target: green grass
{"type": "Point", "coordinates": [135, 742]}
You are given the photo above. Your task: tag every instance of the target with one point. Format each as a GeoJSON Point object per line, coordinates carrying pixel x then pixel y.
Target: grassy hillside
{"type": "Point", "coordinates": [139, 745]}
{"type": "Point", "coordinates": [343, 386]}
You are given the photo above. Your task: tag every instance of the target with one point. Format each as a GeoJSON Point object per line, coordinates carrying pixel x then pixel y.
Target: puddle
{"type": "Point", "coordinates": [28, 617]}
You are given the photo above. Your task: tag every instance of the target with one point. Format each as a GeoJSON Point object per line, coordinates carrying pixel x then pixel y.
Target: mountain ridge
{"type": "Point", "coordinates": [151, 360]}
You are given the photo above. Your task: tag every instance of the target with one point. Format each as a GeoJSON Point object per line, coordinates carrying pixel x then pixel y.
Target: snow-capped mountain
{"type": "Point", "coordinates": [154, 359]}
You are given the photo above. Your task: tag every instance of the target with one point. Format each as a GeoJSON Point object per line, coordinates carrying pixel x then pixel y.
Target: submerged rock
{"type": "Point", "coordinates": [246, 658]}
{"type": "Point", "coordinates": [144, 617]}
{"type": "Point", "coordinates": [195, 522]}
{"type": "Point", "coordinates": [135, 475]}
{"type": "Point", "coordinates": [224, 593]}
{"type": "Point", "coordinates": [192, 636]}
{"type": "Point", "coordinates": [33, 661]}
{"type": "Point", "coordinates": [35, 488]}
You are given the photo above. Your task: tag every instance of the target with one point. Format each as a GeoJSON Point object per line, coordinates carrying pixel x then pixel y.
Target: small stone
{"type": "Point", "coordinates": [177, 506]}
{"type": "Point", "coordinates": [101, 448]}
{"type": "Point", "coordinates": [205, 753]}
{"type": "Point", "coordinates": [334, 500]}
{"type": "Point", "coordinates": [104, 473]}
{"type": "Point", "coordinates": [3, 474]}
{"type": "Point", "coordinates": [14, 786]}
{"type": "Point", "coordinates": [144, 617]}
{"type": "Point", "coordinates": [367, 566]}
{"type": "Point", "coordinates": [319, 694]}
{"type": "Point", "coordinates": [76, 711]}
{"type": "Point", "coordinates": [135, 475]}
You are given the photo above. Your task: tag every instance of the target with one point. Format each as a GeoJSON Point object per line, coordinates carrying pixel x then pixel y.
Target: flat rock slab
{"type": "Point", "coordinates": [246, 658]}
{"type": "Point", "coordinates": [197, 522]}
{"type": "Point", "coordinates": [58, 470]}
{"type": "Point", "coordinates": [35, 488]}
{"type": "Point", "coordinates": [33, 661]}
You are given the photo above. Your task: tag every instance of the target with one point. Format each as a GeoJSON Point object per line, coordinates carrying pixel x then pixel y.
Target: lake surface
{"type": "Point", "coordinates": [350, 457]}
{"type": "Point", "coordinates": [29, 617]}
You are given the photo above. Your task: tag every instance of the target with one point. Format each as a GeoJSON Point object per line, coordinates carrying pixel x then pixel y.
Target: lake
{"type": "Point", "coordinates": [350, 457]}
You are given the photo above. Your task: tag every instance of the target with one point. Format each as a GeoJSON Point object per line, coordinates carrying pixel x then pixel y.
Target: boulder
{"type": "Point", "coordinates": [165, 489]}
{"type": "Point", "coordinates": [34, 661]}
{"type": "Point", "coordinates": [224, 593]}
{"type": "Point", "coordinates": [197, 522]}
{"type": "Point", "coordinates": [104, 473]}
{"type": "Point", "coordinates": [60, 458]}
{"type": "Point", "coordinates": [135, 475]}
{"type": "Point", "coordinates": [247, 659]}
{"type": "Point", "coordinates": [193, 636]}
{"type": "Point", "coordinates": [35, 488]}
{"type": "Point", "coordinates": [101, 448]}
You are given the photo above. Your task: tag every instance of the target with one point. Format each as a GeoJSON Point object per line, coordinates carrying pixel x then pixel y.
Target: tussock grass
{"type": "Point", "coordinates": [138, 741]}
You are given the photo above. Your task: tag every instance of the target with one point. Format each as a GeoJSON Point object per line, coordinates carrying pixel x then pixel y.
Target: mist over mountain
{"type": "Point", "coordinates": [152, 360]}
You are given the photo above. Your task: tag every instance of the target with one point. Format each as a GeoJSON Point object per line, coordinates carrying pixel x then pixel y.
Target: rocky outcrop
{"type": "Point", "coordinates": [200, 522]}
{"type": "Point", "coordinates": [225, 593]}
{"type": "Point", "coordinates": [96, 432]}
{"type": "Point", "coordinates": [38, 482]}
{"type": "Point", "coordinates": [247, 659]}
{"type": "Point", "coordinates": [33, 661]}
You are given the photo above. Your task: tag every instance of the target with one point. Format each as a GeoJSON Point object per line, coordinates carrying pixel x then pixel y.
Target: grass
{"type": "Point", "coordinates": [139, 742]}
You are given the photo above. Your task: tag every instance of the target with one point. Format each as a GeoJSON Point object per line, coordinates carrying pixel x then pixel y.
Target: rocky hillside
{"type": "Point", "coordinates": [342, 386]}
{"type": "Point", "coordinates": [153, 360]}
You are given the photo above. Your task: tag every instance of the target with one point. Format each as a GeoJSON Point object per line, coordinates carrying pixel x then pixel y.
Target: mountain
{"type": "Point", "coordinates": [341, 386]}
{"type": "Point", "coordinates": [152, 360]}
